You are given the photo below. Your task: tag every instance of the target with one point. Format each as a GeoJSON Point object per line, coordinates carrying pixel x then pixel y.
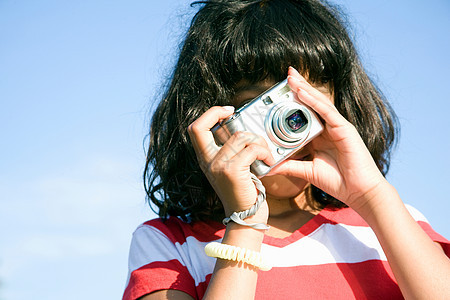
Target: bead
{"type": "Point", "coordinates": [228, 252]}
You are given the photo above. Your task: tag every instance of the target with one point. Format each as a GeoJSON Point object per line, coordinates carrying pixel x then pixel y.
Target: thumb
{"type": "Point", "coordinates": [294, 168]}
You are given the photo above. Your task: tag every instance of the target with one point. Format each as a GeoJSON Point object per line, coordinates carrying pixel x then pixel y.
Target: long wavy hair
{"type": "Point", "coordinates": [233, 40]}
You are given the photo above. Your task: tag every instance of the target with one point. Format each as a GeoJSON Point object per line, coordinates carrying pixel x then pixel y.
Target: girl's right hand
{"type": "Point", "coordinates": [228, 167]}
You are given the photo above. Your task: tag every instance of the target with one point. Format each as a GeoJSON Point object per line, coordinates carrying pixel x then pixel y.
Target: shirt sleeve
{"type": "Point", "coordinates": [156, 263]}
{"type": "Point", "coordinates": [423, 222]}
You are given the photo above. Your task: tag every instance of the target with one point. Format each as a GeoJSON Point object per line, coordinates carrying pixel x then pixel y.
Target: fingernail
{"type": "Point", "coordinates": [293, 78]}
{"type": "Point", "coordinates": [294, 69]}
{"type": "Point", "coordinates": [228, 108]}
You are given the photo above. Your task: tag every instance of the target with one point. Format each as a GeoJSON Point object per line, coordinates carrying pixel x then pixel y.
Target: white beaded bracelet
{"type": "Point", "coordinates": [238, 254]}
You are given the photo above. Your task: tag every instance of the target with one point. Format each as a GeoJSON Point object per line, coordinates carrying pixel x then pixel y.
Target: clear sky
{"type": "Point", "coordinates": [77, 82]}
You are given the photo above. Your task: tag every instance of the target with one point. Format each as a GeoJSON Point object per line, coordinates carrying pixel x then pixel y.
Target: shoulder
{"type": "Point", "coordinates": [347, 216]}
{"type": "Point", "coordinates": [426, 226]}
{"type": "Point", "coordinates": [177, 231]}
{"type": "Point", "coordinates": [349, 219]}
{"type": "Point", "coordinates": [416, 214]}
{"type": "Point", "coordinates": [173, 238]}
{"type": "Point", "coordinates": [172, 251]}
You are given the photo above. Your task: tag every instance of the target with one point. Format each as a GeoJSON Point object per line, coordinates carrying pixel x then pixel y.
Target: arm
{"type": "Point", "coordinates": [422, 270]}
{"type": "Point", "coordinates": [230, 280]}
{"type": "Point", "coordinates": [227, 169]}
{"type": "Point", "coordinates": [343, 167]}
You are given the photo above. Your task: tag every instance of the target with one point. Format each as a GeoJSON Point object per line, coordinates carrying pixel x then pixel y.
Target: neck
{"type": "Point", "coordinates": [289, 214]}
{"type": "Point", "coordinates": [281, 206]}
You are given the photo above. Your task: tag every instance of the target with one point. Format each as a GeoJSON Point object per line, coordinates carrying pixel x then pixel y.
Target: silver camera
{"type": "Point", "coordinates": [283, 122]}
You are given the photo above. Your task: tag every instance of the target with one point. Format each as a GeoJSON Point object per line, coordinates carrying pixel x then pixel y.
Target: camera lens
{"type": "Point", "coordinates": [290, 124]}
{"type": "Point", "coordinates": [296, 120]}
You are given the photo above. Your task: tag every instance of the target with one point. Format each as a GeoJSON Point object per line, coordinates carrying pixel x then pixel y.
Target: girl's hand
{"type": "Point", "coordinates": [228, 167]}
{"type": "Point", "coordinates": [342, 165]}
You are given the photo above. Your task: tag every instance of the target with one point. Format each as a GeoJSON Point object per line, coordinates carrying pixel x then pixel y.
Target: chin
{"type": "Point", "coordinates": [281, 186]}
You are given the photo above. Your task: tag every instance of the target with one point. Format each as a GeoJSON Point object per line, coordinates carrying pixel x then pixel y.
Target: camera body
{"type": "Point", "coordinates": [285, 124]}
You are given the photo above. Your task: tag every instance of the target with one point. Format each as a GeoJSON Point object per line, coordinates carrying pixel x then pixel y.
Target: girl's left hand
{"type": "Point", "coordinates": [342, 166]}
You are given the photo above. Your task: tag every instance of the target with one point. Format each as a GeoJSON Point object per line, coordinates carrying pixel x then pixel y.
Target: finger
{"type": "Point", "coordinates": [294, 168]}
{"type": "Point", "coordinates": [241, 161]}
{"type": "Point", "coordinates": [296, 81]}
{"type": "Point", "coordinates": [200, 130]}
{"type": "Point", "coordinates": [237, 143]}
{"type": "Point", "coordinates": [251, 153]}
{"type": "Point", "coordinates": [312, 97]}
{"type": "Point", "coordinates": [294, 73]}
{"type": "Point", "coordinates": [323, 108]}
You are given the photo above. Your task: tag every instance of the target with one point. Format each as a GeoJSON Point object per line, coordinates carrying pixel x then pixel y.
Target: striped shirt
{"type": "Point", "coordinates": [336, 255]}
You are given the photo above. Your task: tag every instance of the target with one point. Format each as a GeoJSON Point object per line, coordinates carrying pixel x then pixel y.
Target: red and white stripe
{"type": "Point", "coordinates": [335, 249]}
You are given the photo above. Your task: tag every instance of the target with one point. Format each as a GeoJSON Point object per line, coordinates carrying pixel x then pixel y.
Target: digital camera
{"type": "Point", "coordinates": [285, 124]}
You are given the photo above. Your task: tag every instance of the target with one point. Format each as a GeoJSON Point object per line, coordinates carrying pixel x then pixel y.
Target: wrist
{"type": "Point", "coordinates": [249, 218]}
{"type": "Point", "coordinates": [243, 236]}
{"type": "Point", "coordinates": [261, 215]}
{"type": "Point", "coordinates": [376, 200]}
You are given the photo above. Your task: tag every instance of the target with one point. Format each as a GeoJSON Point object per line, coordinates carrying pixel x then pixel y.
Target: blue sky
{"type": "Point", "coordinates": [77, 82]}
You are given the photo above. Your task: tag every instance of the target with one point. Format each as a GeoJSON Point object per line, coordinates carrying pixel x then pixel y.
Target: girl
{"type": "Point", "coordinates": [338, 229]}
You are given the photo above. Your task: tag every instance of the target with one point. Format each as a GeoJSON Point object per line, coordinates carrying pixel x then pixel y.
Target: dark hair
{"type": "Point", "coordinates": [233, 40]}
